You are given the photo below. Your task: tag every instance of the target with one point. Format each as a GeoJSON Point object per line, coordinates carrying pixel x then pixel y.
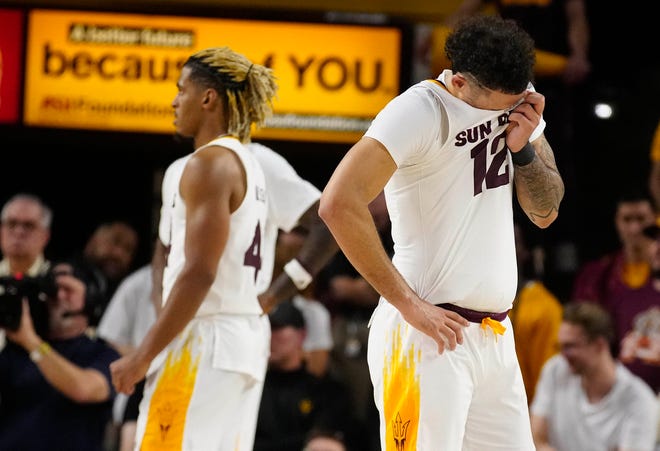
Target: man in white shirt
{"type": "Point", "coordinates": [585, 400]}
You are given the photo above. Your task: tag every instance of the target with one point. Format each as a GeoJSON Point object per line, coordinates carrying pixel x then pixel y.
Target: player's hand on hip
{"type": "Point", "coordinates": [443, 326]}
{"type": "Point", "coordinates": [523, 119]}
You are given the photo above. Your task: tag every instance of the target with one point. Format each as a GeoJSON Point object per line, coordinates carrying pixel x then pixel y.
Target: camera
{"type": "Point", "coordinates": [37, 290]}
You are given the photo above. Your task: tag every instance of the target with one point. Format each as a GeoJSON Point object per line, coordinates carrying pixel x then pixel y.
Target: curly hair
{"type": "Point", "coordinates": [495, 51]}
{"type": "Point", "coordinates": [248, 89]}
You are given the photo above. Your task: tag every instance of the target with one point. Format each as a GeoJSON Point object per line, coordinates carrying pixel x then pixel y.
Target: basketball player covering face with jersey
{"type": "Point", "coordinates": [449, 153]}
{"type": "Point", "coordinates": [200, 391]}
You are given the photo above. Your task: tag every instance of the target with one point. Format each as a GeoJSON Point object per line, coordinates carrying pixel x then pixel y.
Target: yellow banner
{"type": "Point", "coordinates": [114, 71]}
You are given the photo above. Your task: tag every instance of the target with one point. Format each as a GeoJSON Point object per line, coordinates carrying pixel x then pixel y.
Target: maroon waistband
{"type": "Point", "coordinates": [472, 315]}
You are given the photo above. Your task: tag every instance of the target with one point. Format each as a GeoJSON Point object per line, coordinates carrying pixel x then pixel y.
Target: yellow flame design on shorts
{"type": "Point", "coordinates": [401, 395]}
{"type": "Point", "coordinates": [170, 400]}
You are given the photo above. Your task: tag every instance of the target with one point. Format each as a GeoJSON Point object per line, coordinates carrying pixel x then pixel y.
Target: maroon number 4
{"type": "Point", "coordinates": [253, 253]}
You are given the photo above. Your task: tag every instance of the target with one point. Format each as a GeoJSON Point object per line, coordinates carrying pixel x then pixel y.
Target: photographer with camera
{"type": "Point", "coordinates": [54, 393]}
{"type": "Point", "coordinates": [24, 234]}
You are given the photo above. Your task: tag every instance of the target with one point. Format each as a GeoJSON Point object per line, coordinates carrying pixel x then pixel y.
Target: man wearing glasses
{"type": "Point", "coordinates": [24, 234]}
{"type": "Point", "coordinates": [586, 399]}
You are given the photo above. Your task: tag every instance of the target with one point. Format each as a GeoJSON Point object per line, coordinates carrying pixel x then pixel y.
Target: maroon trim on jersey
{"type": "Point", "coordinates": [472, 315]}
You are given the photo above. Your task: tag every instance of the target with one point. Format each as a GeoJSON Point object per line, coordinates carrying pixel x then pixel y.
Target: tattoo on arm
{"type": "Point", "coordinates": [539, 186]}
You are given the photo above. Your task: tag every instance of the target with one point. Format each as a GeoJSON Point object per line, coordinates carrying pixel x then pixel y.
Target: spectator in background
{"type": "Point", "coordinates": [294, 402]}
{"type": "Point", "coordinates": [108, 257]}
{"type": "Point", "coordinates": [55, 393]}
{"type": "Point", "coordinates": [24, 235]}
{"type": "Point", "coordinates": [25, 222]}
{"type": "Point", "coordinates": [535, 317]}
{"type": "Point", "coordinates": [621, 281]}
{"type": "Point", "coordinates": [322, 440]}
{"type": "Point", "coordinates": [130, 312]}
{"type": "Point", "coordinates": [640, 344]}
{"type": "Point", "coordinates": [112, 248]}
{"type": "Point", "coordinates": [585, 399]}
{"type": "Point", "coordinates": [643, 341]}
{"type": "Point", "coordinates": [626, 268]}
{"type": "Point", "coordinates": [654, 176]}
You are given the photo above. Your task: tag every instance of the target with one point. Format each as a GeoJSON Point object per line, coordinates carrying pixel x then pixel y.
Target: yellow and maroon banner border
{"type": "Point", "coordinates": [11, 52]}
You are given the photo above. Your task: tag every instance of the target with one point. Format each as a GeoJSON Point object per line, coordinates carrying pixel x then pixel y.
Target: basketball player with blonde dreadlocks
{"type": "Point", "coordinates": [205, 356]}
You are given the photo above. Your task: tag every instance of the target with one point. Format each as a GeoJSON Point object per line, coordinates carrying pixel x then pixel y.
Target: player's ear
{"type": "Point", "coordinates": [209, 96]}
{"type": "Point", "coordinates": [459, 80]}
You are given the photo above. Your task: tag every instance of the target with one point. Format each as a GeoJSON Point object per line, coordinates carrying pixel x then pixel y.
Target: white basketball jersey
{"type": "Point", "coordinates": [450, 199]}
{"type": "Point", "coordinates": [169, 193]}
{"type": "Point", "coordinates": [235, 287]}
{"type": "Point", "coordinates": [289, 196]}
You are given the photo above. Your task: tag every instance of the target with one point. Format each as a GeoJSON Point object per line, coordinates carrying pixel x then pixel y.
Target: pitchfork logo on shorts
{"type": "Point", "coordinates": [399, 429]}
{"type": "Point", "coordinates": [166, 415]}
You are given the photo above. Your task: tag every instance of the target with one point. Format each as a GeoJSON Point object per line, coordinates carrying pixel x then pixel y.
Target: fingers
{"type": "Point", "coordinates": [628, 348]}
{"type": "Point", "coordinates": [456, 323]}
{"type": "Point", "coordinates": [449, 337]}
{"type": "Point", "coordinates": [70, 282]}
{"type": "Point", "coordinates": [128, 390]}
{"type": "Point", "coordinates": [123, 387]}
{"type": "Point", "coordinates": [523, 120]}
{"type": "Point", "coordinates": [530, 109]}
{"type": "Point", "coordinates": [536, 100]}
{"type": "Point", "coordinates": [441, 345]}
{"type": "Point", "coordinates": [455, 317]}
{"type": "Point", "coordinates": [450, 333]}
{"type": "Point", "coordinates": [26, 306]}
{"type": "Point", "coordinates": [445, 327]}
{"type": "Point", "coordinates": [525, 112]}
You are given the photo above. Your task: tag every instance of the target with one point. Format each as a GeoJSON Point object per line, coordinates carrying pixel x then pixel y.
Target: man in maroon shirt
{"type": "Point", "coordinates": [622, 282]}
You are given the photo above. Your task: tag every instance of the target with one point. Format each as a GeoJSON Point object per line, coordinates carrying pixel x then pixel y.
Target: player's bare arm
{"type": "Point", "coordinates": [209, 205]}
{"type": "Point", "coordinates": [320, 246]}
{"type": "Point", "coordinates": [358, 179]}
{"type": "Point", "coordinates": [317, 250]}
{"type": "Point", "coordinates": [539, 186]}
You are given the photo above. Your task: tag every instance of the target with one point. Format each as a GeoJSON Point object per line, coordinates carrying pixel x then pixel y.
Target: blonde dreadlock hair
{"type": "Point", "coordinates": [247, 88]}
